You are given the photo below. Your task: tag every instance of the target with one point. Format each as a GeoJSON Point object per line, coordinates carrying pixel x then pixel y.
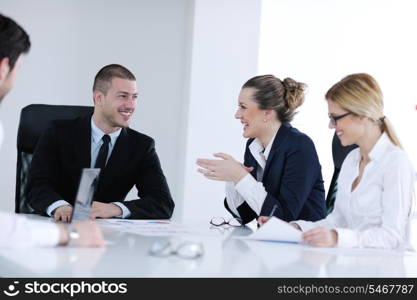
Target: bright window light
{"type": "Point", "coordinates": [319, 42]}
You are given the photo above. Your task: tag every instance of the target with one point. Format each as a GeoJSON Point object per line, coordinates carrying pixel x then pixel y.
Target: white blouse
{"type": "Point", "coordinates": [248, 188]}
{"type": "Point", "coordinates": [376, 214]}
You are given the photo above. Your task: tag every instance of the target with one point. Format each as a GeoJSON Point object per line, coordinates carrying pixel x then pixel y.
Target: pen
{"type": "Point", "coordinates": [273, 211]}
{"type": "Point", "coordinates": [271, 214]}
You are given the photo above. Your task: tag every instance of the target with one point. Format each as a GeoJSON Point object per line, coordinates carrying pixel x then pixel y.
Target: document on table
{"type": "Point", "coordinates": [147, 227]}
{"type": "Point", "coordinates": [276, 230]}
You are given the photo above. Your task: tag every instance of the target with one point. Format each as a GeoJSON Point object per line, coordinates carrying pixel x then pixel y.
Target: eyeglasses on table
{"type": "Point", "coordinates": [220, 221]}
{"type": "Point", "coordinates": [183, 249]}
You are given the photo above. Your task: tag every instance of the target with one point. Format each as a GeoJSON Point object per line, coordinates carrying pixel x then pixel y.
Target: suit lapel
{"type": "Point", "coordinates": [250, 161]}
{"type": "Point", "coordinates": [118, 157]}
{"type": "Point", "coordinates": [276, 146]}
{"type": "Point", "coordinates": [253, 163]}
{"type": "Point", "coordinates": [83, 147]}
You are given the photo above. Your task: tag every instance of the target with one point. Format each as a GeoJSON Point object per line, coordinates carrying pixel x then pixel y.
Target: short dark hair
{"type": "Point", "coordinates": [103, 78]}
{"type": "Point", "coordinates": [13, 40]}
{"type": "Point", "coordinates": [283, 96]}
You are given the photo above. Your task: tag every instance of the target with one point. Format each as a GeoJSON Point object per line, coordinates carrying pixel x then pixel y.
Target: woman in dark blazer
{"type": "Point", "coordinates": [281, 174]}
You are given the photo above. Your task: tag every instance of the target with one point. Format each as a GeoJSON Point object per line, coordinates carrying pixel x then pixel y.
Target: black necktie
{"type": "Point", "coordinates": [102, 154]}
{"type": "Point", "coordinates": [332, 198]}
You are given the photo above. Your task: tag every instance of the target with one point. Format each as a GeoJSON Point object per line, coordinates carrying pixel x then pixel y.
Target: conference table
{"type": "Point", "coordinates": [225, 254]}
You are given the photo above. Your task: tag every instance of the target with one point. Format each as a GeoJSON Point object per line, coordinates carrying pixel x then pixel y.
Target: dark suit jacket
{"type": "Point", "coordinates": [292, 179]}
{"type": "Point", "coordinates": [65, 149]}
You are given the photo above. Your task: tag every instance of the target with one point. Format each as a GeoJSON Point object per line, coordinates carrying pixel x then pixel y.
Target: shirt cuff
{"type": "Point", "coordinates": [45, 233]}
{"type": "Point", "coordinates": [233, 199]}
{"type": "Point", "coordinates": [247, 187]}
{"type": "Point", "coordinates": [346, 238]}
{"type": "Point", "coordinates": [55, 205]}
{"type": "Point", "coordinates": [125, 211]}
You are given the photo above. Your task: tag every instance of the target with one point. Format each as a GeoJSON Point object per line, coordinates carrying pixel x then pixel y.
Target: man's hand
{"type": "Point", "coordinates": [104, 210]}
{"type": "Point", "coordinates": [90, 234]}
{"type": "Point", "coordinates": [63, 213]}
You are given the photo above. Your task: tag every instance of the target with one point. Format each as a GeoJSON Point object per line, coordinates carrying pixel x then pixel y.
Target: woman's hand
{"type": "Point", "coordinates": [226, 169]}
{"type": "Point", "coordinates": [263, 219]}
{"type": "Point", "coordinates": [321, 237]}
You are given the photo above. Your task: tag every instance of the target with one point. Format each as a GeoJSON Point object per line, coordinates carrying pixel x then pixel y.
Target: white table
{"type": "Point", "coordinates": [225, 256]}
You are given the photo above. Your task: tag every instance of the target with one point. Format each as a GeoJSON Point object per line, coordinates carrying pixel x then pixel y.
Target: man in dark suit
{"type": "Point", "coordinates": [103, 140]}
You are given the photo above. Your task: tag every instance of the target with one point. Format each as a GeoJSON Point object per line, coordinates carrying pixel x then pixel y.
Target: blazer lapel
{"type": "Point", "coordinates": [250, 161]}
{"type": "Point", "coordinates": [276, 145]}
{"type": "Point", "coordinates": [119, 155]}
{"type": "Point", "coordinates": [253, 163]}
{"type": "Point", "coordinates": [83, 147]}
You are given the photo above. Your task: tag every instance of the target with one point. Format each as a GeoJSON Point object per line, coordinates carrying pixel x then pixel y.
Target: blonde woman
{"type": "Point", "coordinates": [375, 185]}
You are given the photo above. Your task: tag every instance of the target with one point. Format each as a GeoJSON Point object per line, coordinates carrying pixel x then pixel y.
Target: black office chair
{"type": "Point", "coordinates": [339, 154]}
{"type": "Point", "coordinates": [34, 119]}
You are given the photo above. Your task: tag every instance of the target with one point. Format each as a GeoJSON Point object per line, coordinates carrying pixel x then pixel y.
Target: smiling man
{"type": "Point", "coordinates": [105, 141]}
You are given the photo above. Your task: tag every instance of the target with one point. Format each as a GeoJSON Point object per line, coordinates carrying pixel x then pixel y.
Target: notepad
{"type": "Point", "coordinates": [276, 230]}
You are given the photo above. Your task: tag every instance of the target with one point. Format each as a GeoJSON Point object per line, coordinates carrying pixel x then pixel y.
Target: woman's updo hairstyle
{"type": "Point", "coordinates": [283, 96]}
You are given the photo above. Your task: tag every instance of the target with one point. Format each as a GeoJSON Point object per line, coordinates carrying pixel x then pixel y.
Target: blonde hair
{"type": "Point", "coordinates": [361, 95]}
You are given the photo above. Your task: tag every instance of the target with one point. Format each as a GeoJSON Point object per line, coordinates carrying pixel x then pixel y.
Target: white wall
{"type": "Point", "coordinates": [191, 58]}
{"type": "Point", "coordinates": [319, 42]}
{"type": "Point", "coordinates": [72, 40]}
{"type": "Point", "coordinates": [224, 55]}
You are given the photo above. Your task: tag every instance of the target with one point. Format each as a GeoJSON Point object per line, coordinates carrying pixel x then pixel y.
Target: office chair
{"type": "Point", "coordinates": [34, 119]}
{"type": "Point", "coordinates": [339, 154]}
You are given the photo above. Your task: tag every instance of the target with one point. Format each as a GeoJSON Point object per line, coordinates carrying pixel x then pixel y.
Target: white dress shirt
{"type": "Point", "coordinates": [96, 142]}
{"type": "Point", "coordinates": [248, 188]}
{"type": "Point", "coordinates": [19, 231]}
{"type": "Point", "coordinates": [376, 214]}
